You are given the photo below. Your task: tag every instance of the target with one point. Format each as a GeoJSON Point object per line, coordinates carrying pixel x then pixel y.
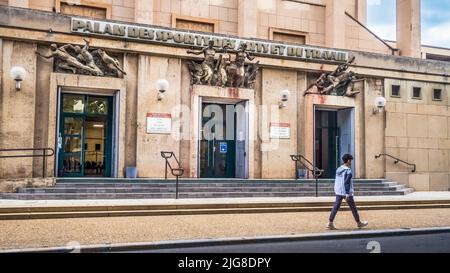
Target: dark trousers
{"type": "Point", "coordinates": [337, 206]}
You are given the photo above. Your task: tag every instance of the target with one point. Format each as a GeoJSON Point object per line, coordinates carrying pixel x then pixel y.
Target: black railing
{"type": "Point", "coordinates": [316, 172]}
{"type": "Point", "coordinates": [398, 160]}
{"type": "Point", "coordinates": [177, 172]}
{"type": "Point", "coordinates": [44, 155]}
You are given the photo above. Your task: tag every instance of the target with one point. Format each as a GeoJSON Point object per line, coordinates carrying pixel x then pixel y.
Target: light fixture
{"type": "Point", "coordinates": [380, 103]}
{"type": "Point", "coordinates": [162, 85]}
{"type": "Point", "coordinates": [18, 73]}
{"type": "Point", "coordinates": [285, 94]}
{"type": "Point", "coordinates": [99, 126]}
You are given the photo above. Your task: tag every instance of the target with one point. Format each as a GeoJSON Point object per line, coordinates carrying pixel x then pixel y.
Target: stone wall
{"type": "Point", "coordinates": [13, 185]}
{"type": "Point", "coordinates": [417, 131]}
{"type": "Point", "coordinates": [17, 116]}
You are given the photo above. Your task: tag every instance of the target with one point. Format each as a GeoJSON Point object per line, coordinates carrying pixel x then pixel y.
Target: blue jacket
{"type": "Point", "coordinates": [343, 184]}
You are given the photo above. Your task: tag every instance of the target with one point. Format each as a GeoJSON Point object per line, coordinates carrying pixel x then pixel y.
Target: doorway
{"type": "Point", "coordinates": [223, 143]}
{"type": "Point", "coordinates": [85, 135]}
{"type": "Point", "coordinates": [334, 136]}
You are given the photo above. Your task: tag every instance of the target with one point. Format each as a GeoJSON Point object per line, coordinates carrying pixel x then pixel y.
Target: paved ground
{"type": "Point", "coordinates": [416, 196]}
{"type": "Point", "coordinates": [430, 243]}
{"type": "Point", "coordinates": [88, 231]}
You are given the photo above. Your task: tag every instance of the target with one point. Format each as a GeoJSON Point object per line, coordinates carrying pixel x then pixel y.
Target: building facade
{"type": "Point", "coordinates": [312, 81]}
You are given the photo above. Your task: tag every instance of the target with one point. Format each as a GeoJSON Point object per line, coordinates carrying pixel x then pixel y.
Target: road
{"type": "Point", "coordinates": [429, 243]}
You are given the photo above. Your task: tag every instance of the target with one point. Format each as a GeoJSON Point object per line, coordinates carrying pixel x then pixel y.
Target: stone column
{"type": "Point", "coordinates": [335, 24]}
{"type": "Point", "coordinates": [19, 3]}
{"type": "Point", "coordinates": [143, 11]}
{"type": "Point", "coordinates": [248, 18]}
{"type": "Point", "coordinates": [408, 28]}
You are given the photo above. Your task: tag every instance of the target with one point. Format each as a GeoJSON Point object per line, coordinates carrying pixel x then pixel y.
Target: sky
{"type": "Point", "coordinates": [435, 20]}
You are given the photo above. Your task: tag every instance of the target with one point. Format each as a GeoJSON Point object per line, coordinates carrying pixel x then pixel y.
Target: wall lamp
{"type": "Point", "coordinates": [285, 95]}
{"type": "Point", "coordinates": [380, 104]}
{"type": "Point", "coordinates": [18, 73]}
{"type": "Point", "coordinates": [162, 85]}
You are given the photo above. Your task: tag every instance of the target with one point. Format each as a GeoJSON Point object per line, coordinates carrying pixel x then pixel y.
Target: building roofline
{"type": "Point", "coordinates": [371, 32]}
{"type": "Point", "coordinates": [423, 45]}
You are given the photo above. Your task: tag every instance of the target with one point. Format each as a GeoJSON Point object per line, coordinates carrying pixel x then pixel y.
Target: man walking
{"type": "Point", "coordinates": [344, 190]}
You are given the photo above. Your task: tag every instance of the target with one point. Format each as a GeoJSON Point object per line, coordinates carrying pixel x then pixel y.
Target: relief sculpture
{"type": "Point", "coordinates": [340, 82]}
{"type": "Point", "coordinates": [83, 60]}
{"type": "Point", "coordinates": [223, 70]}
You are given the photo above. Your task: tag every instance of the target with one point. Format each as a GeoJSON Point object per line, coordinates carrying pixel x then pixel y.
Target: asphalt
{"type": "Point", "coordinates": [425, 243]}
{"type": "Point", "coordinates": [420, 240]}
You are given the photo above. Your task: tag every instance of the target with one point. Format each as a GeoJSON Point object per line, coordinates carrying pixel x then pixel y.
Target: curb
{"type": "Point", "coordinates": [27, 213]}
{"type": "Point", "coordinates": [232, 241]}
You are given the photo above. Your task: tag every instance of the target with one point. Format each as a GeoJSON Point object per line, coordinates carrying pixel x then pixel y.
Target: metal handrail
{"type": "Point", "coordinates": [316, 172]}
{"type": "Point", "coordinates": [44, 155]}
{"type": "Point", "coordinates": [397, 160]}
{"type": "Point", "coordinates": [177, 172]}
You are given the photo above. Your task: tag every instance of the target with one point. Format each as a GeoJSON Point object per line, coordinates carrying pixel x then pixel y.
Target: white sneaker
{"type": "Point", "coordinates": [363, 224]}
{"type": "Point", "coordinates": [331, 226]}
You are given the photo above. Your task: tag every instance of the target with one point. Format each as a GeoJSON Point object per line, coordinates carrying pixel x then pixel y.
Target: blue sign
{"type": "Point", "coordinates": [223, 147]}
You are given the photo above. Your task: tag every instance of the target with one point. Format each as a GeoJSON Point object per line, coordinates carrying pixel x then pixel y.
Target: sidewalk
{"type": "Point", "coordinates": [413, 197]}
{"type": "Point", "coordinates": [17, 234]}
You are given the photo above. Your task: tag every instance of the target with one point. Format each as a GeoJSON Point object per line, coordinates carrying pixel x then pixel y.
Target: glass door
{"type": "Point", "coordinates": [85, 136]}
{"type": "Point", "coordinates": [217, 153]}
{"type": "Point", "coordinates": [71, 136]}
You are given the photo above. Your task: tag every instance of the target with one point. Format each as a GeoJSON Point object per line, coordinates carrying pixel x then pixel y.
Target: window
{"type": "Point", "coordinates": [417, 93]}
{"type": "Point", "coordinates": [288, 36]}
{"type": "Point", "coordinates": [87, 8]}
{"type": "Point", "coordinates": [94, 12]}
{"type": "Point", "coordinates": [395, 91]}
{"type": "Point", "coordinates": [97, 106]}
{"type": "Point", "coordinates": [73, 104]}
{"type": "Point", "coordinates": [195, 24]}
{"type": "Point", "coordinates": [437, 94]}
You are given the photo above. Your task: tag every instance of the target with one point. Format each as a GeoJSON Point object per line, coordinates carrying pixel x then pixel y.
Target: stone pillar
{"type": "Point", "coordinates": [248, 18]}
{"type": "Point", "coordinates": [17, 114]}
{"type": "Point", "coordinates": [143, 11]}
{"type": "Point", "coordinates": [19, 3]}
{"type": "Point", "coordinates": [408, 28]}
{"type": "Point", "coordinates": [335, 24]}
{"type": "Point", "coordinates": [361, 11]}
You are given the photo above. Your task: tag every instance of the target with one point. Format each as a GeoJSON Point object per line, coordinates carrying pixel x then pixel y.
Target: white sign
{"type": "Point", "coordinates": [280, 130]}
{"type": "Point", "coordinates": [159, 123]}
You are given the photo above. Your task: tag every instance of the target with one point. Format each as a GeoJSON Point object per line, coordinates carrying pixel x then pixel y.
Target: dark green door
{"type": "Point", "coordinates": [217, 153]}
{"type": "Point", "coordinates": [85, 136]}
{"type": "Point", "coordinates": [327, 142]}
{"type": "Point", "coordinates": [218, 159]}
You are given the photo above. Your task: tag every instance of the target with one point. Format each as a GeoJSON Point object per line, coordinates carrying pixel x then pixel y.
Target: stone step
{"type": "Point", "coordinates": [170, 184]}
{"type": "Point", "coordinates": [184, 195]}
{"type": "Point", "coordinates": [206, 181]}
{"type": "Point", "coordinates": [190, 189]}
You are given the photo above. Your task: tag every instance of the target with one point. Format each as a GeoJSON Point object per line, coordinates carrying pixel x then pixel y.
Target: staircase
{"type": "Point", "coordinates": [70, 189]}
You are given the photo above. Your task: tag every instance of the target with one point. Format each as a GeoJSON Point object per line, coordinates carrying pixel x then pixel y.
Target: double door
{"type": "Point", "coordinates": [85, 136]}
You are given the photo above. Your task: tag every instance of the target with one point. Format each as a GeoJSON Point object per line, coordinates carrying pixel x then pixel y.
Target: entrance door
{"type": "Point", "coordinates": [334, 137]}
{"type": "Point", "coordinates": [241, 140]}
{"type": "Point", "coordinates": [218, 141]}
{"type": "Point", "coordinates": [346, 119]}
{"type": "Point", "coordinates": [85, 136]}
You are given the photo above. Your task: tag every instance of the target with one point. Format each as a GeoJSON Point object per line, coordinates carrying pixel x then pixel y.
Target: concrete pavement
{"type": "Point", "coordinates": [47, 209]}
{"type": "Point", "coordinates": [416, 196]}
{"type": "Point", "coordinates": [37, 233]}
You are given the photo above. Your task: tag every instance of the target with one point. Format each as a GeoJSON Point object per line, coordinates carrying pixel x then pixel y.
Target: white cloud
{"type": "Point", "coordinates": [385, 31]}
{"type": "Point", "coordinates": [437, 35]}
{"type": "Point", "coordinates": [373, 2]}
